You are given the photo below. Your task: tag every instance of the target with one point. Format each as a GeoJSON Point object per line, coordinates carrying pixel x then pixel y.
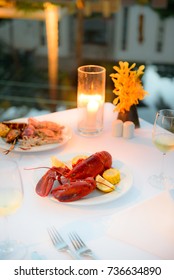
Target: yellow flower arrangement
{"type": "Point", "coordinates": [128, 86]}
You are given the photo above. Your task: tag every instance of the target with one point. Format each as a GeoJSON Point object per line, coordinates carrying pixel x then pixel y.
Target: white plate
{"type": "Point", "coordinates": [96, 197]}
{"type": "Point", "coordinates": [66, 134]}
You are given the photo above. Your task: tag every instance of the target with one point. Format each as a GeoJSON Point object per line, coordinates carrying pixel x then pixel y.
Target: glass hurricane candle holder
{"type": "Point", "coordinates": [91, 98]}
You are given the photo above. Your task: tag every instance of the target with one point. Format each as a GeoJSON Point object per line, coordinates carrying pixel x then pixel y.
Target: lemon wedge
{"type": "Point", "coordinates": [56, 162]}
{"type": "Point", "coordinates": [76, 158]}
{"type": "Point", "coordinates": [103, 185]}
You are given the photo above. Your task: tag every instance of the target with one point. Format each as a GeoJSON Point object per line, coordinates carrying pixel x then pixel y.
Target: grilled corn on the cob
{"type": "Point", "coordinates": [112, 175]}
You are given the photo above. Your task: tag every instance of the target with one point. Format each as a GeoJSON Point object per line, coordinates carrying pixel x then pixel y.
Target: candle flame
{"type": "Point", "coordinates": [93, 106]}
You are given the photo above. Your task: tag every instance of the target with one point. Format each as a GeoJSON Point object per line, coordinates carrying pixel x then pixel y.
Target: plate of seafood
{"type": "Point", "coordinates": [32, 135]}
{"type": "Point", "coordinates": [81, 179]}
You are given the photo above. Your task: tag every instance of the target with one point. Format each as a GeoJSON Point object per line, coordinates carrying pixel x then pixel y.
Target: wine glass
{"type": "Point", "coordinates": [11, 196]}
{"type": "Point", "coordinates": [163, 139]}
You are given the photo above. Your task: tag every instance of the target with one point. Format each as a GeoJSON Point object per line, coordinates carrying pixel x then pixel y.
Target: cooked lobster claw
{"type": "Point", "coordinates": [45, 184]}
{"type": "Point", "coordinates": [74, 190]}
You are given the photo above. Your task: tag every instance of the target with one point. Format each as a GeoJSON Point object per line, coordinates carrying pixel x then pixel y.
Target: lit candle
{"type": "Point", "coordinates": [92, 108]}
{"type": "Point", "coordinates": [90, 98]}
{"type": "Point", "coordinates": [83, 100]}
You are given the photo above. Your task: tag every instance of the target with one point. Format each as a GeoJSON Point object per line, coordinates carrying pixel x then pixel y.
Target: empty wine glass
{"type": "Point", "coordinates": [163, 139]}
{"type": "Point", "coordinates": [11, 196]}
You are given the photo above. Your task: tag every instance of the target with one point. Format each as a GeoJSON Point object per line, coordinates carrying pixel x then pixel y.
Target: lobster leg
{"type": "Point", "coordinates": [11, 148]}
{"type": "Point", "coordinates": [74, 190]}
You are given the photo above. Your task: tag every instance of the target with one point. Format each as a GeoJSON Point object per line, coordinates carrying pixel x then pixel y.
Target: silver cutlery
{"type": "Point", "coordinates": [60, 244]}
{"type": "Point", "coordinates": [80, 246]}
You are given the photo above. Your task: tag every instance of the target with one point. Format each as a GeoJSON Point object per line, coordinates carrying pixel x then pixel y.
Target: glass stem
{"type": "Point", "coordinates": [6, 232]}
{"type": "Point", "coordinates": [162, 166]}
{"type": "Point", "coordinates": [5, 246]}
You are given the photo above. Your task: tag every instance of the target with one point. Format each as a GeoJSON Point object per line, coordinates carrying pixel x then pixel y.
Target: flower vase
{"type": "Point", "coordinates": [131, 115]}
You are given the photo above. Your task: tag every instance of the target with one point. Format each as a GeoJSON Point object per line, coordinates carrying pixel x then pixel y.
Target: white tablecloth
{"type": "Point", "coordinates": [29, 224]}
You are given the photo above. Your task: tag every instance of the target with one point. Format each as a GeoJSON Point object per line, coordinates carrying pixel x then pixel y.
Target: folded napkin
{"type": "Point", "coordinates": [148, 226]}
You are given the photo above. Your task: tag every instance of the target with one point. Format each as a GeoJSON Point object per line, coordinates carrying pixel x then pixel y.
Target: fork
{"type": "Point", "coordinates": [80, 246]}
{"type": "Point", "coordinates": [59, 242]}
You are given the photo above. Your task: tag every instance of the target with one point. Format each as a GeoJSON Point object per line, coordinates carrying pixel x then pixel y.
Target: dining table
{"type": "Point", "coordinates": [134, 222]}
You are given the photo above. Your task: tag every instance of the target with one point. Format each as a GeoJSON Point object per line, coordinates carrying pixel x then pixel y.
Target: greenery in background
{"type": "Point", "coordinates": [27, 6]}
{"type": "Point", "coordinates": [32, 6]}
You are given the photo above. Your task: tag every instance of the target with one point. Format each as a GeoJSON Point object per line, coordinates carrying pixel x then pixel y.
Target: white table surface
{"type": "Point", "coordinates": [29, 224]}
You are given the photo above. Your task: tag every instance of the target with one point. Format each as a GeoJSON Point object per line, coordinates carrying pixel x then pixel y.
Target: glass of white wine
{"type": "Point", "coordinates": [11, 197]}
{"type": "Point", "coordinates": [163, 139]}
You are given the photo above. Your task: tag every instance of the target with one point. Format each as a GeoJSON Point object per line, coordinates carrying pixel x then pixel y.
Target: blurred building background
{"type": "Point", "coordinates": [42, 43]}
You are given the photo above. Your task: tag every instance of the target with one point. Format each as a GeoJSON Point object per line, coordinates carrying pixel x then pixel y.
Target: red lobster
{"type": "Point", "coordinates": [77, 182]}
